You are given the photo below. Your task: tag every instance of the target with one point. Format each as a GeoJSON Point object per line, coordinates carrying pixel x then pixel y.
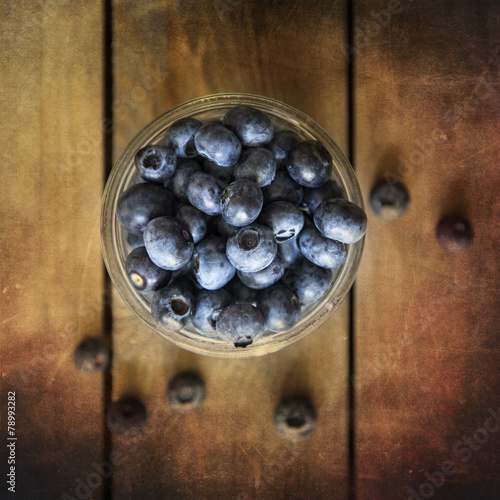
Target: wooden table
{"type": "Point", "coordinates": [403, 376]}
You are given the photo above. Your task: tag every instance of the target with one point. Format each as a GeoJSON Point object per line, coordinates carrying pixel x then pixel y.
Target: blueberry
{"type": "Point", "coordinates": [241, 203]}
{"type": "Point", "coordinates": [179, 182]}
{"type": "Point", "coordinates": [194, 220]}
{"type": "Point", "coordinates": [211, 266]}
{"type": "Point", "coordinates": [251, 248]}
{"type": "Point", "coordinates": [186, 392]}
{"type": "Point", "coordinates": [204, 192]}
{"type": "Point", "coordinates": [283, 188]}
{"type": "Point", "coordinates": [241, 293]}
{"type": "Point", "coordinates": [265, 277]}
{"type": "Point", "coordinates": [209, 304]}
{"type": "Point", "coordinates": [314, 196]}
{"type": "Point", "coordinates": [308, 281]}
{"type": "Point", "coordinates": [218, 143]}
{"type": "Point", "coordinates": [224, 229]}
{"type": "Point", "coordinates": [389, 199]}
{"type": "Point", "coordinates": [92, 355]}
{"type": "Point", "coordinates": [240, 324]}
{"type": "Point", "coordinates": [142, 203]}
{"type": "Point", "coordinates": [126, 417]}
{"type": "Point", "coordinates": [173, 306]}
{"type": "Point", "coordinates": [143, 274]}
{"type": "Point", "coordinates": [320, 250]}
{"type": "Point", "coordinates": [290, 252]}
{"type": "Point", "coordinates": [223, 174]}
{"type": "Point", "coordinates": [284, 219]}
{"type": "Point", "coordinates": [280, 308]}
{"type": "Point", "coordinates": [340, 220]}
{"type": "Point", "coordinates": [155, 163]}
{"type": "Point", "coordinates": [454, 233]}
{"type": "Point", "coordinates": [282, 142]}
{"type": "Point", "coordinates": [309, 164]}
{"type": "Point", "coordinates": [168, 242]}
{"type": "Point", "coordinates": [253, 127]}
{"type": "Point", "coordinates": [256, 164]}
{"type": "Point", "coordinates": [295, 418]}
{"type": "Point", "coordinates": [180, 137]}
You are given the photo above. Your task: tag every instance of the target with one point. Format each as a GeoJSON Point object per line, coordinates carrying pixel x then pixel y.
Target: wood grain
{"type": "Point", "coordinates": [52, 273]}
{"type": "Point", "coordinates": [426, 111]}
{"type": "Point", "coordinates": [426, 321]}
{"type": "Point", "coordinates": [228, 448]}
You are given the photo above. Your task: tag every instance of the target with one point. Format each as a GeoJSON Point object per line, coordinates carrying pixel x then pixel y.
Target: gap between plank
{"type": "Point", "coordinates": [108, 127]}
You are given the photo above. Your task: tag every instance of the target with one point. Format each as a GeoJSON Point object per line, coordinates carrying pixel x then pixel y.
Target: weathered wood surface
{"type": "Point", "coordinates": [426, 321]}
{"type": "Point", "coordinates": [425, 92]}
{"type": "Point", "coordinates": [52, 273]}
{"type": "Point", "coordinates": [289, 51]}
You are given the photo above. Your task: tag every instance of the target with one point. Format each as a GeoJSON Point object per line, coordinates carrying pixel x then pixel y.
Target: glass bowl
{"type": "Point", "coordinates": [115, 247]}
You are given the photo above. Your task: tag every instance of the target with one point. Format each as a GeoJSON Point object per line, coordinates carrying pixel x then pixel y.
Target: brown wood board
{"type": "Point", "coordinates": [426, 111]}
{"type": "Point", "coordinates": [289, 51]}
{"type": "Point", "coordinates": [426, 321]}
{"type": "Point", "coordinates": [52, 273]}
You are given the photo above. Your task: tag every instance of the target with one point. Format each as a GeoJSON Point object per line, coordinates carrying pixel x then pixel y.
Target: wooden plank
{"type": "Point", "coordinates": [289, 51]}
{"type": "Point", "coordinates": [52, 272]}
{"type": "Point", "coordinates": [426, 321]}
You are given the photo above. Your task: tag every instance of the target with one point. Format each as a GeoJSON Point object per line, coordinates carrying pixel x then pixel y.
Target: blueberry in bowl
{"type": "Point", "coordinates": [232, 225]}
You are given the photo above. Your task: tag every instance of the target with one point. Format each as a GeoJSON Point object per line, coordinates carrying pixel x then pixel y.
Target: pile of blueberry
{"type": "Point", "coordinates": [235, 226]}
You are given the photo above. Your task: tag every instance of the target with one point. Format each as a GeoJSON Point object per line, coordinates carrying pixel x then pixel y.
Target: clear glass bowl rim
{"type": "Point", "coordinates": [122, 173]}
